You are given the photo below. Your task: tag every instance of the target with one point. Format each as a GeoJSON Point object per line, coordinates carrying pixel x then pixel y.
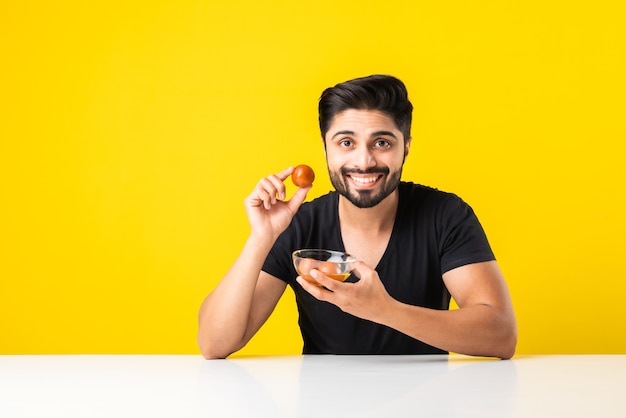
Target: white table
{"type": "Point", "coordinates": [312, 386]}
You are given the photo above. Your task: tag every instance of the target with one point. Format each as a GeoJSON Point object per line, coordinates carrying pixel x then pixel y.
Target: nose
{"type": "Point", "coordinates": [364, 158]}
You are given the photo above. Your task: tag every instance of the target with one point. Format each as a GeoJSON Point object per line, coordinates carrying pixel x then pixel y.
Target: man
{"type": "Point", "coordinates": [416, 247]}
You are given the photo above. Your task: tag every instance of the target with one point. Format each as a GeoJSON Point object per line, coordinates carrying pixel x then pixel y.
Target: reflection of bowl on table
{"type": "Point", "coordinates": [335, 264]}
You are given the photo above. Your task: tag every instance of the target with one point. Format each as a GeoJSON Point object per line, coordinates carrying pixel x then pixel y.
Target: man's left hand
{"type": "Point", "coordinates": [366, 299]}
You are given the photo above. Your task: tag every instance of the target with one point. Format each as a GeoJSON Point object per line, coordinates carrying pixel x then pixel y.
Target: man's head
{"type": "Point", "coordinates": [366, 126]}
{"type": "Point", "coordinates": [384, 93]}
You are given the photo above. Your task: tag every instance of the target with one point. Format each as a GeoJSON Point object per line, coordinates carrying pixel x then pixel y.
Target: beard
{"type": "Point", "coordinates": [363, 199]}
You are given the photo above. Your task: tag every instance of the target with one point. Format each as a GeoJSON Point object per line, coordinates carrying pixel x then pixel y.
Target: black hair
{"type": "Point", "coordinates": [384, 93]}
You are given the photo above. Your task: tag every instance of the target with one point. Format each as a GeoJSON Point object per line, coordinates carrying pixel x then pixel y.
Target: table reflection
{"type": "Point", "coordinates": [387, 385]}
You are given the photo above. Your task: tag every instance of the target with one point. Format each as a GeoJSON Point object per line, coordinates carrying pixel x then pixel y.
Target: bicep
{"type": "Point", "coordinates": [479, 284]}
{"type": "Point", "coordinates": [267, 293]}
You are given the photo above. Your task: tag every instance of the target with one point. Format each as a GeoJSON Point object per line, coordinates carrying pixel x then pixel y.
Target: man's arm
{"type": "Point", "coordinates": [241, 303]}
{"type": "Point", "coordinates": [246, 296]}
{"type": "Point", "coordinates": [484, 324]}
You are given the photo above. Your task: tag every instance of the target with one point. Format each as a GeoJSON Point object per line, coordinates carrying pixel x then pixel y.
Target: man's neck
{"type": "Point", "coordinates": [379, 218]}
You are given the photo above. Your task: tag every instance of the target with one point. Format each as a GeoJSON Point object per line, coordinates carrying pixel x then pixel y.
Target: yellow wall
{"type": "Point", "coordinates": [131, 132]}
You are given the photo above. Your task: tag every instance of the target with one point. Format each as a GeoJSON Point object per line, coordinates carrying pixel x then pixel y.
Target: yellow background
{"type": "Point", "coordinates": [131, 131]}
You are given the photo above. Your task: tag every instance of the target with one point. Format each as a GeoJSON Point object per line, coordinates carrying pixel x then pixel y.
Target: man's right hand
{"type": "Point", "coordinates": [268, 212]}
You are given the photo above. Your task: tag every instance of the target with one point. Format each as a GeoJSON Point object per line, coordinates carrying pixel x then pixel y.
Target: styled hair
{"type": "Point", "coordinates": [384, 93]}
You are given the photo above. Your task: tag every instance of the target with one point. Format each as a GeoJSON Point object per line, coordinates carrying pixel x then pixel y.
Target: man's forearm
{"type": "Point", "coordinates": [224, 314]}
{"type": "Point", "coordinates": [479, 330]}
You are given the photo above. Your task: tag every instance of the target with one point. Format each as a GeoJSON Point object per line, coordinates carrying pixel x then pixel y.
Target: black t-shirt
{"type": "Point", "coordinates": [433, 232]}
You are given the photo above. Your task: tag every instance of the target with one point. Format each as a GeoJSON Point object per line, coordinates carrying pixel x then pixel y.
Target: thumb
{"type": "Point", "coordinates": [360, 269]}
{"type": "Point", "coordinates": [298, 197]}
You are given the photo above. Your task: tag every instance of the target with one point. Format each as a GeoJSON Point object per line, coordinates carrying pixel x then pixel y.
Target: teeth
{"type": "Point", "coordinates": [364, 179]}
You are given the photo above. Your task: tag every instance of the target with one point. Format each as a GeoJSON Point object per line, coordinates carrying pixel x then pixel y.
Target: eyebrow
{"type": "Point", "coordinates": [377, 133]}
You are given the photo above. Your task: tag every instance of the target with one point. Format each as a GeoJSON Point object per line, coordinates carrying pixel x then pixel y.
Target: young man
{"type": "Point", "coordinates": [416, 247]}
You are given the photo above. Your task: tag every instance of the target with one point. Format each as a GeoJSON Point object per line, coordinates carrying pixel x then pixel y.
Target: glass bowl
{"type": "Point", "coordinates": [335, 264]}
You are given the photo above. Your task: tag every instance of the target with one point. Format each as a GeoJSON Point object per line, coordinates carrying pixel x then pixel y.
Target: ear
{"type": "Point", "coordinates": [407, 146]}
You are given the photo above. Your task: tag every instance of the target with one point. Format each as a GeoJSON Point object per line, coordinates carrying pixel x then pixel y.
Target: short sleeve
{"type": "Point", "coordinates": [278, 261]}
{"type": "Point", "coordinates": [462, 238]}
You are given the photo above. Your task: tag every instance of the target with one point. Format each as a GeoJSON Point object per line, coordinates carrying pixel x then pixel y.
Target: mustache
{"type": "Point", "coordinates": [374, 170]}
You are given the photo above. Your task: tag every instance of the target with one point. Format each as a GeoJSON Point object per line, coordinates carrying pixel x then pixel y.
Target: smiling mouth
{"type": "Point", "coordinates": [365, 180]}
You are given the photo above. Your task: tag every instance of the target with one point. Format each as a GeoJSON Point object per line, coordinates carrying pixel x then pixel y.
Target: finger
{"type": "Point", "coordinates": [324, 280]}
{"type": "Point", "coordinates": [257, 197]}
{"type": "Point", "coordinates": [317, 291]}
{"type": "Point", "coordinates": [285, 173]}
{"type": "Point", "coordinates": [267, 192]}
{"type": "Point", "coordinates": [278, 185]}
{"type": "Point", "coordinates": [361, 269]}
{"type": "Point", "coordinates": [261, 195]}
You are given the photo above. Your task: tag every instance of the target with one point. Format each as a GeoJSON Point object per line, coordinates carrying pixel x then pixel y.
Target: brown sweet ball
{"type": "Point", "coordinates": [303, 176]}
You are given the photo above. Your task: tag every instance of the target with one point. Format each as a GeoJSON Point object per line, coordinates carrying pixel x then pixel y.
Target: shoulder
{"type": "Point", "coordinates": [426, 197]}
{"type": "Point", "coordinates": [428, 205]}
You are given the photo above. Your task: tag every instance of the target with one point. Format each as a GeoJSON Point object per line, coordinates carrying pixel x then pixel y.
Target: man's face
{"type": "Point", "coordinates": [365, 152]}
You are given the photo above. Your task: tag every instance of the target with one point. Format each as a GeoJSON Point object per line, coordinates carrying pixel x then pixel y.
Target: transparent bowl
{"type": "Point", "coordinates": [335, 264]}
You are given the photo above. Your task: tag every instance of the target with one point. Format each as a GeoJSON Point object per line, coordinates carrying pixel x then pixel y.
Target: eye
{"type": "Point", "coordinates": [346, 143]}
{"type": "Point", "coordinates": [382, 143]}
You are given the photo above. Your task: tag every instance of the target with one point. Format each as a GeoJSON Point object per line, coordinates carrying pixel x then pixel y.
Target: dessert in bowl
{"type": "Point", "coordinates": [335, 264]}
